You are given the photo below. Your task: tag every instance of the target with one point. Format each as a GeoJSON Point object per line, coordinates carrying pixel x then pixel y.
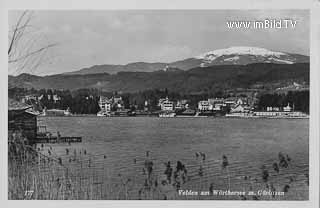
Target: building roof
{"type": "Point", "coordinates": [55, 110]}
{"type": "Point", "coordinates": [231, 99]}
{"type": "Point", "coordinates": [105, 99]}
{"type": "Point", "coordinates": [14, 105]}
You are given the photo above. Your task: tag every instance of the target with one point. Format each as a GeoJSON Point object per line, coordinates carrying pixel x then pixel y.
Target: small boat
{"type": "Point", "coordinates": [167, 114]}
{"type": "Point", "coordinates": [199, 116]}
{"type": "Point", "coordinates": [103, 114]}
{"type": "Point", "coordinates": [186, 113]}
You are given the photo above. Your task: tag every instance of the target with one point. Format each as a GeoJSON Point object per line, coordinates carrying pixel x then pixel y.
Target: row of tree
{"type": "Point", "coordinates": [297, 99]}
{"type": "Point", "coordinates": [85, 101]}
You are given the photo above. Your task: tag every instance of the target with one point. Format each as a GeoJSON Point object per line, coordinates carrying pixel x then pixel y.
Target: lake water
{"type": "Point", "coordinates": [119, 145]}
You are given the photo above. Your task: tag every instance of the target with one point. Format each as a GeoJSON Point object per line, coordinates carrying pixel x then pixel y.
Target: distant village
{"type": "Point", "coordinates": [231, 107]}
{"type": "Point", "coordinates": [114, 106]}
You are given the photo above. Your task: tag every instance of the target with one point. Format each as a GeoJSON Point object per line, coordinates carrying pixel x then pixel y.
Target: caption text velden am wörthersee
{"type": "Point", "coordinates": [230, 193]}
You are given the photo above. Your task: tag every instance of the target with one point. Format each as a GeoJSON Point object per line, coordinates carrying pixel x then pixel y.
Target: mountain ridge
{"type": "Point", "coordinates": [194, 80]}
{"type": "Point", "coordinates": [240, 55]}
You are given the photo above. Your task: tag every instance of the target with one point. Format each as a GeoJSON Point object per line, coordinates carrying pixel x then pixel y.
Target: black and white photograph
{"type": "Point", "coordinates": [158, 105]}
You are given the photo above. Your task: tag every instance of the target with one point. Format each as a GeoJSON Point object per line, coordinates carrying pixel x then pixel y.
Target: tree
{"type": "Point", "coordinates": [24, 51]}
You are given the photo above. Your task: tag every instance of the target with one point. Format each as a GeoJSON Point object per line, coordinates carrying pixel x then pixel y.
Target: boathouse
{"type": "Point", "coordinates": [20, 120]}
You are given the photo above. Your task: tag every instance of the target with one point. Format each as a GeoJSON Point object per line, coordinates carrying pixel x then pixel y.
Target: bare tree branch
{"type": "Point", "coordinates": [32, 53]}
{"type": "Point", "coordinates": [13, 39]}
{"type": "Point", "coordinates": [26, 47]}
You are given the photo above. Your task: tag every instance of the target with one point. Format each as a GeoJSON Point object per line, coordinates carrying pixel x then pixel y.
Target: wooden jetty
{"type": "Point", "coordinates": [44, 136]}
{"type": "Point", "coordinates": [56, 140]}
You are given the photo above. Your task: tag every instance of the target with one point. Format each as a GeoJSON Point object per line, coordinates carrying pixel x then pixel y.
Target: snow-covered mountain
{"type": "Point", "coordinates": [228, 56]}
{"type": "Point", "coordinates": [246, 55]}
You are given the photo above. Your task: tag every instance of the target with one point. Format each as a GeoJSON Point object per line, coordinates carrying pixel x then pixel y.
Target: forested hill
{"type": "Point", "coordinates": [194, 80]}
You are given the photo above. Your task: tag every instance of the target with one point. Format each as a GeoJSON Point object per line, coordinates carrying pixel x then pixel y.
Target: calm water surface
{"type": "Point", "coordinates": [248, 143]}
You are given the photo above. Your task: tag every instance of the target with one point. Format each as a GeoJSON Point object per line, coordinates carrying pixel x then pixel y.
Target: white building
{"type": "Point", "coordinates": [239, 108]}
{"type": "Point", "coordinates": [105, 104]}
{"type": "Point", "coordinates": [204, 105]}
{"type": "Point", "coordinates": [166, 105]}
{"type": "Point", "coordinates": [217, 103]}
{"type": "Point", "coordinates": [161, 100]}
{"type": "Point", "coordinates": [275, 111]}
{"type": "Point", "coordinates": [287, 108]}
{"type": "Point", "coordinates": [231, 101]}
{"type": "Point", "coordinates": [241, 101]}
{"type": "Point", "coordinates": [273, 108]}
{"type": "Point", "coordinates": [56, 98]}
{"type": "Point", "coordinates": [182, 104]}
{"type": "Point", "coordinates": [28, 98]}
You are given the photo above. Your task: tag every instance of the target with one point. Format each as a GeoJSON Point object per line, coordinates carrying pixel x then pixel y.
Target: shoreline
{"type": "Point", "coordinates": [216, 117]}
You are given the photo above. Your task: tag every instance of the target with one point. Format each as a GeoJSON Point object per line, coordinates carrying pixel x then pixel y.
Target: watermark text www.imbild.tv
{"type": "Point", "coordinates": [263, 24]}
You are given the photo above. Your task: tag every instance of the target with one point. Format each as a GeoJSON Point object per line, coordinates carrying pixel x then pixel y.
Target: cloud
{"type": "Point", "coordinates": [118, 37]}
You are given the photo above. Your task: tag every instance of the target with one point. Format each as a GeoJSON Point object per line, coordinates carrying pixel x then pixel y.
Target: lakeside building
{"type": "Point", "coordinates": [270, 112]}
{"type": "Point", "coordinates": [273, 108]}
{"type": "Point", "coordinates": [279, 114]}
{"type": "Point", "coordinates": [56, 98]}
{"type": "Point", "coordinates": [277, 111]}
{"type": "Point", "coordinates": [217, 103]}
{"type": "Point", "coordinates": [105, 104]}
{"type": "Point", "coordinates": [146, 106]}
{"type": "Point", "coordinates": [166, 105]}
{"type": "Point", "coordinates": [109, 105]}
{"type": "Point", "coordinates": [182, 104]}
{"type": "Point", "coordinates": [167, 108]}
{"type": "Point", "coordinates": [56, 112]}
{"type": "Point", "coordinates": [28, 98]}
{"type": "Point", "coordinates": [20, 120]}
{"type": "Point", "coordinates": [287, 108]}
{"type": "Point", "coordinates": [204, 105]}
{"type": "Point", "coordinates": [161, 100]}
{"type": "Point", "coordinates": [35, 98]}
{"type": "Point", "coordinates": [240, 110]}
{"type": "Point", "coordinates": [231, 101]}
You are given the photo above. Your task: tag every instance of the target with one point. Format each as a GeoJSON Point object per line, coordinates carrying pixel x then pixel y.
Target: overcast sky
{"type": "Point", "coordinates": [87, 38]}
